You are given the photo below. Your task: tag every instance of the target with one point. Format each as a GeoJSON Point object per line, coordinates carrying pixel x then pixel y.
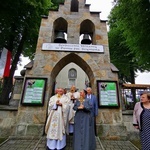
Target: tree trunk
{"type": "Point", "coordinates": [133, 90]}
{"type": "Point", "coordinates": [6, 91]}
{"type": "Point", "coordinates": [8, 82]}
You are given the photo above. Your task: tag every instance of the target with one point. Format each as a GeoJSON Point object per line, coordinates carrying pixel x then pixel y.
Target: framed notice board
{"type": "Point", "coordinates": [33, 91]}
{"type": "Point", "coordinates": [108, 95]}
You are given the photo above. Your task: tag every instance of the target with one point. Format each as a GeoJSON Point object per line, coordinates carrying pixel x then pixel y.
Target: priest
{"type": "Point", "coordinates": [55, 129]}
{"type": "Point", "coordinates": [73, 95]}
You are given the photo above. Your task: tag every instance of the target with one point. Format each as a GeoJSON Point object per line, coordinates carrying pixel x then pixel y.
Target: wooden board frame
{"type": "Point", "coordinates": [34, 91]}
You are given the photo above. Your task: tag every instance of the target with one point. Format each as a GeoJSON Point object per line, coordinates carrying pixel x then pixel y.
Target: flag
{"type": "Point", "coordinates": [5, 62]}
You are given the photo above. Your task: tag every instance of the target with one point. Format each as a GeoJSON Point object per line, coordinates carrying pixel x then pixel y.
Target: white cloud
{"type": "Point", "coordinates": [24, 61]}
{"type": "Point", "coordinates": [104, 6]}
{"type": "Point", "coordinates": [143, 78]}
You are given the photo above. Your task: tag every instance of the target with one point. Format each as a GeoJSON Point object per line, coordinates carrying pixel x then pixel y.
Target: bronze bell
{"type": "Point", "coordinates": [23, 72]}
{"type": "Point", "coordinates": [86, 39]}
{"type": "Point", "coordinates": [60, 37]}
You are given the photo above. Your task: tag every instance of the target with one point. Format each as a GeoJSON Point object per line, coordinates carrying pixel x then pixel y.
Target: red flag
{"type": "Point", "coordinates": [5, 62]}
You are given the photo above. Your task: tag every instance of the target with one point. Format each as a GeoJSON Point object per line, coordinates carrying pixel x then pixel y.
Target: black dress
{"type": "Point", "coordinates": [145, 132]}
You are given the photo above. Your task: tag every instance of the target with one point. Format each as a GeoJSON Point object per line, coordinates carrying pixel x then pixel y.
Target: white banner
{"type": "Point", "coordinates": [73, 47]}
{"type": "Point", "coordinates": [3, 61]}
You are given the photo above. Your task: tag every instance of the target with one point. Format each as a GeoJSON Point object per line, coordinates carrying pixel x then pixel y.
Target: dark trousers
{"type": "Point", "coordinates": [95, 126]}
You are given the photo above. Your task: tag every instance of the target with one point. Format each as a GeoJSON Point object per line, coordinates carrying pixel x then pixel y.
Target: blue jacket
{"type": "Point", "coordinates": [93, 101]}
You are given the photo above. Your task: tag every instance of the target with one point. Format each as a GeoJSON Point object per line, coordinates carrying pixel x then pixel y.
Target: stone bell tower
{"type": "Point", "coordinates": [72, 34]}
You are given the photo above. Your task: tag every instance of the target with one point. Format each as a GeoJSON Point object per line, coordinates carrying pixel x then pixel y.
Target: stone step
{"type": "Point", "coordinates": [39, 143]}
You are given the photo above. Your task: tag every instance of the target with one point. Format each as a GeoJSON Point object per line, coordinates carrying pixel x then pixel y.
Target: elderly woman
{"type": "Point", "coordinates": [141, 119]}
{"type": "Point", "coordinates": [84, 136]}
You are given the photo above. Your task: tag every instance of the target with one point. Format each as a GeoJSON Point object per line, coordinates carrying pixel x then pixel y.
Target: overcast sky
{"type": "Point", "coordinates": [101, 5]}
{"type": "Point", "coordinates": [105, 7]}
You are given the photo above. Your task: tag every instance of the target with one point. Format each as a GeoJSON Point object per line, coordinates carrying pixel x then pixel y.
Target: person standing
{"type": "Point", "coordinates": [55, 128]}
{"type": "Point", "coordinates": [93, 100]}
{"type": "Point", "coordinates": [73, 95]}
{"type": "Point", "coordinates": [83, 137]}
{"type": "Point", "coordinates": [141, 119]}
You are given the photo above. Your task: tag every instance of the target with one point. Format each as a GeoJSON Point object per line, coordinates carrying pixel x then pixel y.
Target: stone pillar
{"type": "Point", "coordinates": [16, 95]}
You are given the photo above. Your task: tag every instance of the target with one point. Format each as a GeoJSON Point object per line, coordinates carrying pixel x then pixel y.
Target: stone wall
{"type": "Point", "coordinates": [122, 129]}
{"type": "Point", "coordinates": [110, 126]}
{"type": "Point", "coordinates": [30, 120]}
{"type": "Point", "coordinates": [7, 121]}
{"type": "Point", "coordinates": [14, 124]}
{"type": "Point", "coordinates": [18, 120]}
{"type": "Point", "coordinates": [133, 134]}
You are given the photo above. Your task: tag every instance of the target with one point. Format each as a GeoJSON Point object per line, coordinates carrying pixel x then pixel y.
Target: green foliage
{"type": "Point", "coordinates": [19, 27]}
{"type": "Point", "coordinates": [55, 4]}
{"type": "Point", "coordinates": [135, 24]}
{"type": "Point", "coordinates": [128, 36]}
{"type": "Point", "coordinates": [18, 17]}
{"type": "Point", "coordinates": [2, 140]}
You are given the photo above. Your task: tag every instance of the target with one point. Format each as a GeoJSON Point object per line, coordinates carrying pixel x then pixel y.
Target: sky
{"type": "Point", "coordinates": [101, 5]}
{"type": "Point", "coordinates": [105, 7]}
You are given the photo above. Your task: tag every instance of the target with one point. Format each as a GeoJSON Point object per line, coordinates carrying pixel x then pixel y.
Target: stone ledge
{"type": "Point", "coordinates": [112, 132]}
{"type": "Point", "coordinates": [127, 112]}
{"type": "Point", "coordinates": [8, 108]}
{"type": "Point", "coordinates": [24, 137]}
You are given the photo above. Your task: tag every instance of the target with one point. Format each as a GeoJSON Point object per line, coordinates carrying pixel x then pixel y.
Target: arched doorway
{"type": "Point", "coordinates": [70, 75]}
{"type": "Point", "coordinates": [72, 58]}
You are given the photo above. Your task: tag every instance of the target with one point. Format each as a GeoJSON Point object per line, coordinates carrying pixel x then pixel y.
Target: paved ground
{"type": "Point", "coordinates": [24, 143]}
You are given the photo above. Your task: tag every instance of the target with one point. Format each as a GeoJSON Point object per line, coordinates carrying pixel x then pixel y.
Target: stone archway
{"type": "Point", "coordinates": [75, 58]}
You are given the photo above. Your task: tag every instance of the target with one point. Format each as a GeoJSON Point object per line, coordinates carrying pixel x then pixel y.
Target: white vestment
{"type": "Point", "coordinates": [76, 95]}
{"type": "Point", "coordinates": [56, 122]}
{"type": "Point", "coordinates": [56, 144]}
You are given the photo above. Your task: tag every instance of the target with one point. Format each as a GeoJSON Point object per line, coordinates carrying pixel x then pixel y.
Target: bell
{"type": "Point", "coordinates": [86, 39]}
{"type": "Point", "coordinates": [23, 72]}
{"type": "Point", "coordinates": [60, 38]}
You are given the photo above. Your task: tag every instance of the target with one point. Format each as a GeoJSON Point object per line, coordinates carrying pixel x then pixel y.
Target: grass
{"type": "Point", "coordinates": [2, 140]}
{"type": "Point", "coordinates": [136, 143]}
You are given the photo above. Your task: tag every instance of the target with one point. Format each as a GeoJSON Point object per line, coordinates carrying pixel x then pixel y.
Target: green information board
{"type": "Point", "coordinates": [33, 91]}
{"type": "Point", "coordinates": [108, 93]}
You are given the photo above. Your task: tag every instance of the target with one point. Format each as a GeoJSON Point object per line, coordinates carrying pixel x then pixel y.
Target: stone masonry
{"type": "Point", "coordinates": [30, 120]}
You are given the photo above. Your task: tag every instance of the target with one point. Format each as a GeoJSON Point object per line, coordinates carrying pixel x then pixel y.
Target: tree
{"type": "Point", "coordinates": [120, 54]}
{"type": "Point", "coordinates": [135, 24]}
{"type": "Point", "coordinates": [19, 25]}
{"type": "Point", "coordinates": [129, 49]}
{"type": "Point", "coordinates": [122, 57]}
{"type": "Point", "coordinates": [125, 39]}
{"type": "Point", "coordinates": [55, 4]}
